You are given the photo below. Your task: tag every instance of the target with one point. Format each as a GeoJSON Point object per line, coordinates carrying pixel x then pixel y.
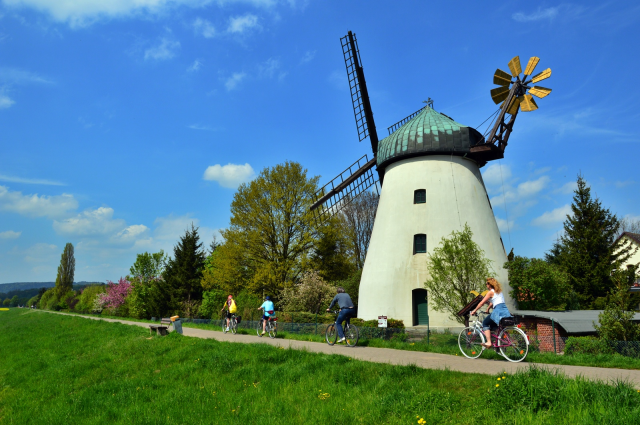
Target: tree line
{"type": "Point", "coordinates": [273, 246]}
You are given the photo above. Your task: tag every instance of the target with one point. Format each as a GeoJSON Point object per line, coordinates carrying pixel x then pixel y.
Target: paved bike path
{"type": "Point", "coordinates": [402, 357]}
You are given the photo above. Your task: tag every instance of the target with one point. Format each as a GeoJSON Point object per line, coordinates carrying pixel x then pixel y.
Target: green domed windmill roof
{"type": "Point", "coordinates": [428, 133]}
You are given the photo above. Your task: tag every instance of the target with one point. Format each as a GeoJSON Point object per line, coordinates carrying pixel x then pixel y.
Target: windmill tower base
{"type": "Point", "coordinates": [393, 277]}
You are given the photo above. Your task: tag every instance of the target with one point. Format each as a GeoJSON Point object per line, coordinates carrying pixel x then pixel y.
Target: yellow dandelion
{"type": "Point", "coordinates": [497, 385]}
{"type": "Point", "coordinates": [498, 379]}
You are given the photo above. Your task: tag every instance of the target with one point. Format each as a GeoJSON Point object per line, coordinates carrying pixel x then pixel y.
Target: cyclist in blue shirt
{"type": "Point", "coordinates": [269, 311]}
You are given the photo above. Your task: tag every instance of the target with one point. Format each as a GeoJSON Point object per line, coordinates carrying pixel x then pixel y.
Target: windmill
{"type": "Point", "coordinates": [428, 170]}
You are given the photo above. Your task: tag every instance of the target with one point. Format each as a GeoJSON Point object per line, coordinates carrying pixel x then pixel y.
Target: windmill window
{"type": "Point", "coordinates": [419, 244]}
{"type": "Point", "coordinates": [420, 196]}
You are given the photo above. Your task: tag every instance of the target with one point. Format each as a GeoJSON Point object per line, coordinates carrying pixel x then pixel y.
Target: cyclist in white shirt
{"type": "Point", "coordinates": [500, 309]}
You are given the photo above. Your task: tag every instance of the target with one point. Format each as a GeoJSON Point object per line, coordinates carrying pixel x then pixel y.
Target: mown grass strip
{"type": "Point", "coordinates": [61, 369]}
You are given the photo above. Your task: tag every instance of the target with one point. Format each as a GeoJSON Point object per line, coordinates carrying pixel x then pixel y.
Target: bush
{"type": "Point", "coordinates": [586, 345]}
{"type": "Point", "coordinates": [88, 295]}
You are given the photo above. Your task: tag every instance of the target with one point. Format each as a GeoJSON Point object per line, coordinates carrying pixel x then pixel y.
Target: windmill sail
{"type": "Point", "coordinates": [359, 93]}
{"type": "Point", "coordinates": [341, 190]}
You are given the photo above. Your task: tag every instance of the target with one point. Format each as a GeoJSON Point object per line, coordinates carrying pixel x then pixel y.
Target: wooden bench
{"type": "Point", "coordinates": [163, 328]}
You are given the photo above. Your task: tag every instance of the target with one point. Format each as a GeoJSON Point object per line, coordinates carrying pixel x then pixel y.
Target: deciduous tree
{"type": "Point", "coordinates": [456, 267]}
{"type": "Point", "coordinates": [271, 230]}
{"type": "Point", "coordinates": [359, 215]}
{"type": "Point", "coordinates": [66, 271]}
{"type": "Point", "coordinates": [537, 284]}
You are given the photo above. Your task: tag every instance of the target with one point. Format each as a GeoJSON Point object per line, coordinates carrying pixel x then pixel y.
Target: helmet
{"type": "Point", "coordinates": [229, 297]}
{"type": "Point", "coordinates": [268, 298]}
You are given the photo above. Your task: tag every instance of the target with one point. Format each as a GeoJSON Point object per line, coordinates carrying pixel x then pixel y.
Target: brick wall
{"type": "Point", "coordinates": [542, 333]}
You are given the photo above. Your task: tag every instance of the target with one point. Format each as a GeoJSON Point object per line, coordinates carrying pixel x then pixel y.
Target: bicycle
{"type": "Point", "coordinates": [233, 324]}
{"type": "Point", "coordinates": [271, 327]}
{"type": "Point", "coordinates": [351, 332]}
{"type": "Point", "coordinates": [508, 340]}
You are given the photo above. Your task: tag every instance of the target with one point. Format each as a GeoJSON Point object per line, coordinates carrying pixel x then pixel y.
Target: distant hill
{"type": "Point", "coordinates": [21, 286]}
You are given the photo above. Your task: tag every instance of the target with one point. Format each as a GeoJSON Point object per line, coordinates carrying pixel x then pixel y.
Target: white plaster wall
{"type": "Point", "coordinates": [455, 195]}
{"type": "Point", "coordinates": [635, 257]}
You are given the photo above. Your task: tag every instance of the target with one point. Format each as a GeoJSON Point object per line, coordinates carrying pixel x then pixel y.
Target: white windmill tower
{"type": "Point", "coordinates": [429, 173]}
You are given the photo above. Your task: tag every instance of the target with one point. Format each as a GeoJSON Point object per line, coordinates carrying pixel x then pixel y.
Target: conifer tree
{"type": "Point", "coordinates": [184, 271]}
{"type": "Point", "coordinates": [66, 270]}
{"type": "Point", "coordinates": [586, 250]}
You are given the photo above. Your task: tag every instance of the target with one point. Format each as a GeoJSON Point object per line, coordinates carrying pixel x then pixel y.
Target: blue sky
{"type": "Point", "coordinates": [124, 121]}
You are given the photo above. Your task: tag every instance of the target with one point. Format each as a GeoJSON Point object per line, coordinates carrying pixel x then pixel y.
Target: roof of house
{"type": "Point", "coordinates": [633, 236]}
{"type": "Point", "coordinates": [574, 321]}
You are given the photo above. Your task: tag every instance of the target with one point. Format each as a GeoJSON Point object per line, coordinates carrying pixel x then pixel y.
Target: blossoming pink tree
{"type": "Point", "coordinates": [116, 293]}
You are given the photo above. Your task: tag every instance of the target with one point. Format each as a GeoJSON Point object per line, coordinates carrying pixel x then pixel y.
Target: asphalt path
{"type": "Point", "coordinates": [402, 357]}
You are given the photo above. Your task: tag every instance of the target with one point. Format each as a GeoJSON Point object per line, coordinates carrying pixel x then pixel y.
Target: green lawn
{"type": "Point", "coordinates": [68, 370]}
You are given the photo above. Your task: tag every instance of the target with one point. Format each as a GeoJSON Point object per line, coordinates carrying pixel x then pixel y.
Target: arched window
{"type": "Point", "coordinates": [419, 244]}
{"type": "Point", "coordinates": [420, 196]}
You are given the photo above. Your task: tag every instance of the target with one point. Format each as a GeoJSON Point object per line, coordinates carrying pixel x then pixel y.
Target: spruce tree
{"type": "Point", "coordinates": [66, 270]}
{"type": "Point", "coordinates": [586, 250]}
{"type": "Point", "coordinates": [184, 271]}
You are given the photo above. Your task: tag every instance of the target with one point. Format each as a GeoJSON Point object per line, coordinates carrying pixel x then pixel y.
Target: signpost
{"type": "Point", "coordinates": [382, 321]}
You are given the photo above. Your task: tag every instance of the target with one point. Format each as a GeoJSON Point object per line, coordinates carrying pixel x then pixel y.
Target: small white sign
{"type": "Point", "coordinates": [382, 321]}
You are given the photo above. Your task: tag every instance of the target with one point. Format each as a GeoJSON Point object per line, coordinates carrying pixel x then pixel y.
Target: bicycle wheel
{"type": "Point", "coordinates": [234, 325]}
{"type": "Point", "coordinates": [273, 329]}
{"type": "Point", "coordinates": [224, 324]}
{"type": "Point", "coordinates": [514, 345]}
{"type": "Point", "coordinates": [259, 328]}
{"type": "Point", "coordinates": [331, 334]}
{"type": "Point", "coordinates": [351, 334]}
{"type": "Point", "coordinates": [470, 342]}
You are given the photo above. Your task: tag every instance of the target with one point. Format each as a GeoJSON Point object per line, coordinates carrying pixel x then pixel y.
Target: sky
{"type": "Point", "coordinates": [123, 122]}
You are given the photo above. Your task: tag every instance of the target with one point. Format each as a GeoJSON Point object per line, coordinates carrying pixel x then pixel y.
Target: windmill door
{"type": "Point", "coordinates": [420, 307]}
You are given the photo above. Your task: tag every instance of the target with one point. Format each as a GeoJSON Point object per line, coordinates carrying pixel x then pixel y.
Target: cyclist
{"type": "Point", "coordinates": [346, 310]}
{"type": "Point", "coordinates": [500, 309]}
{"type": "Point", "coordinates": [269, 311]}
{"type": "Point", "coordinates": [231, 307]}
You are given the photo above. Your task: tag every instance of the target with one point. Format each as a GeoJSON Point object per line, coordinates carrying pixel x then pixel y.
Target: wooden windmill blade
{"type": "Point", "coordinates": [359, 94]}
{"type": "Point", "coordinates": [339, 192]}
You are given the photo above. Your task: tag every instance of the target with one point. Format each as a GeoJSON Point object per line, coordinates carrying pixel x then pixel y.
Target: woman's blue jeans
{"type": "Point", "coordinates": [345, 314]}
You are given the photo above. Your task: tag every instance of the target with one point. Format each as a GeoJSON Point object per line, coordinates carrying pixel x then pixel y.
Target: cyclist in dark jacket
{"type": "Point", "coordinates": [347, 310]}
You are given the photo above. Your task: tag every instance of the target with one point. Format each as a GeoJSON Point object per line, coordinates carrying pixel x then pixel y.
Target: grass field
{"type": "Point", "coordinates": [61, 369]}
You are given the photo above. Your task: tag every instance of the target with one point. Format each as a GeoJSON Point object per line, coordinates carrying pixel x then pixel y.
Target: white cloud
{"type": "Point", "coordinates": [230, 175]}
{"type": "Point", "coordinates": [620, 184]}
{"type": "Point", "coordinates": [195, 66]}
{"type": "Point", "coordinates": [522, 192]}
{"type": "Point", "coordinates": [20, 76]}
{"type": "Point", "coordinates": [308, 57]}
{"type": "Point", "coordinates": [99, 221]}
{"type": "Point", "coordinates": [496, 174]}
{"type": "Point", "coordinates": [36, 206]}
{"type": "Point", "coordinates": [233, 81]}
{"type": "Point", "coordinates": [42, 253]}
{"type": "Point", "coordinates": [132, 233]}
{"type": "Point", "coordinates": [163, 51]}
{"type": "Point", "coordinates": [169, 230]}
{"type": "Point", "coordinates": [567, 188]}
{"type": "Point", "coordinates": [29, 181]}
{"type": "Point", "coordinates": [204, 28]}
{"type": "Point", "coordinates": [201, 127]}
{"type": "Point", "coordinates": [552, 218]}
{"type": "Point", "coordinates": [504, 225]}
{"type": "Point", "coordinates": [541, 14]}
{"type": "Point", "coordinates": [10, 234]}
{"type": "Point", "coordinates": [6, 102]}
{"type": "Point", "coordinates": [271, 68]}
{"type": "Point", "coordinates": [241, 24]}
